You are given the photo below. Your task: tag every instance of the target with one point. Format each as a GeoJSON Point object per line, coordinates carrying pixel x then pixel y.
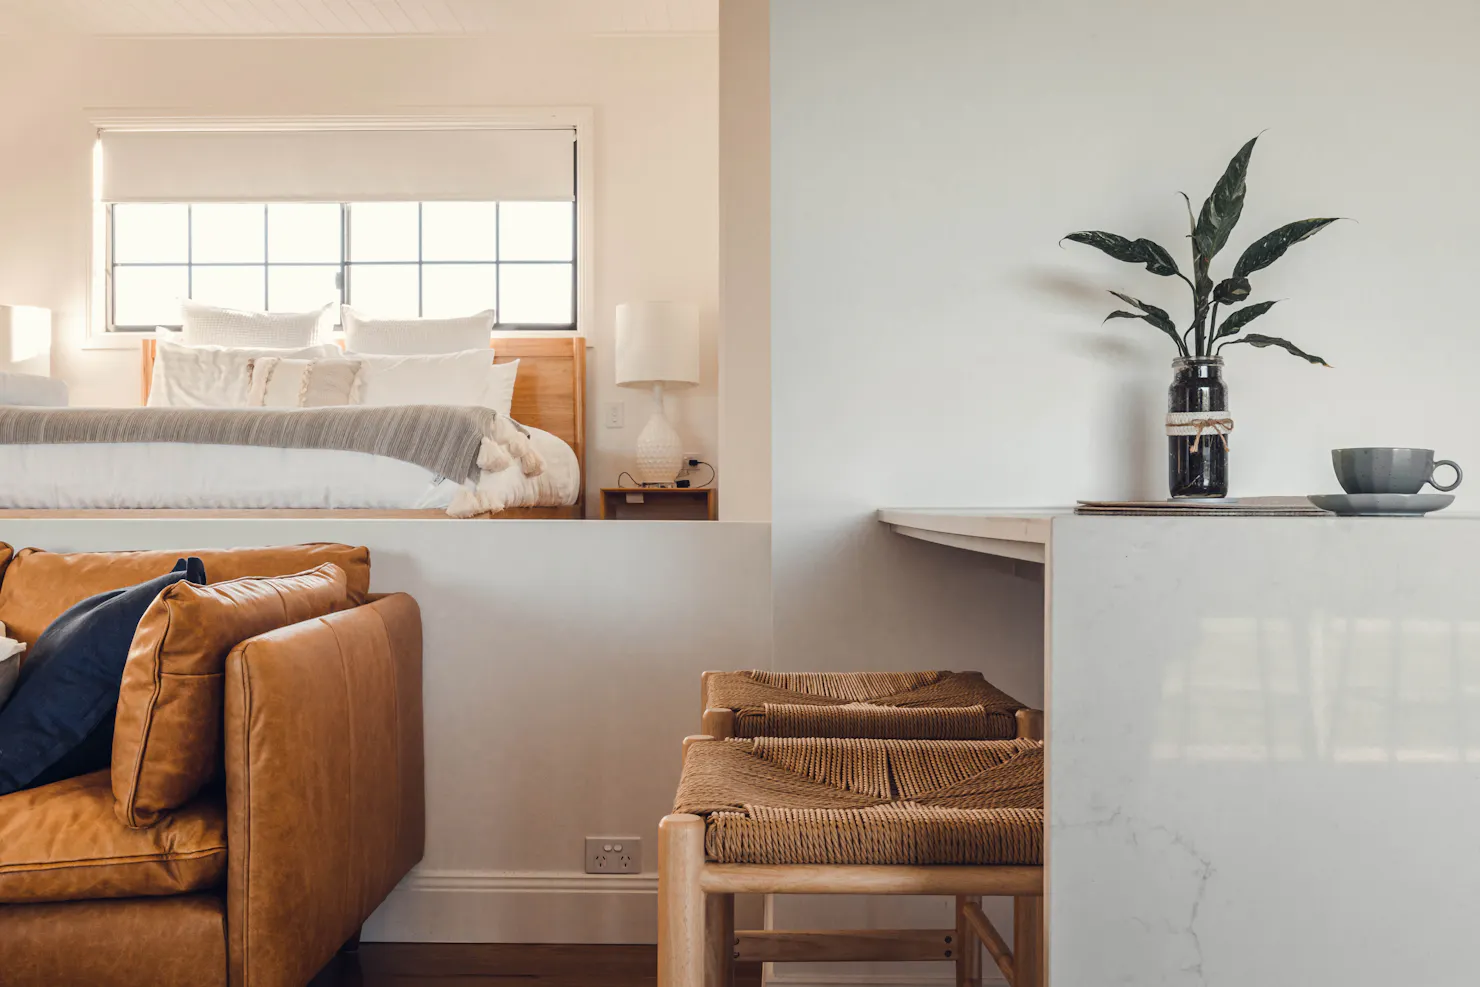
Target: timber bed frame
{"type": "Point", "coordinates": [549, 394]}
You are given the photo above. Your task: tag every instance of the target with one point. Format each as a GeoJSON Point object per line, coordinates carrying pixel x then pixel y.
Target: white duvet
{"type": "Point", "coordinates": [181, 476]}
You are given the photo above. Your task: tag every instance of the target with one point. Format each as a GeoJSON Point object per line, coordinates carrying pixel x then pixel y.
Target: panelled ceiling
{"type": "Point", "coordinates": [320, 18]}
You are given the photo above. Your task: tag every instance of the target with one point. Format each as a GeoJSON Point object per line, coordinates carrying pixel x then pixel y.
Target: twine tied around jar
{"type": "Point", "coordinates": [1195, 423]}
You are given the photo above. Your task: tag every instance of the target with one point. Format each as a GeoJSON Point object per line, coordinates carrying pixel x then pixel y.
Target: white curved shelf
{"type": "Point", "coordinates": [1020, 535]}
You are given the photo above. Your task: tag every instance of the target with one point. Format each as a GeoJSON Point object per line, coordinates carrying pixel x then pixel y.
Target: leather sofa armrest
{"type": "Point", "coordinates": [324, 785]}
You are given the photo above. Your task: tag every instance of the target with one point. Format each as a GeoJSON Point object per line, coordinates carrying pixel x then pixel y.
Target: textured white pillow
{"type": "Point", "coordinates": [498, 394]}
{"type": "Point", "coordinates": [280, 383]}
{"type": "Point", "coordinates": [206, 325]}
{"type": "Point", "coordinates": [213, 376]}
{"type": "Point", "coordinates": [408, 337]}
{"type": "Point", "coordinates": [447, 378]}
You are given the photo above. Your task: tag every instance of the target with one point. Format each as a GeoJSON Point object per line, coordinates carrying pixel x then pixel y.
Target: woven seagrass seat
{"type": "Point", "coordinates": [847, 815]}
{"type": "Point", "coordinates": [836, 801]}
{"type": "Point", "coordinates": [900, 705]}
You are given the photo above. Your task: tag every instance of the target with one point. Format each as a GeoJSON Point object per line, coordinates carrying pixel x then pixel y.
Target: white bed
{"type": "Point", "coordinates": [211, 477]}
{"type": "Point", "coordinates": [548, 399]}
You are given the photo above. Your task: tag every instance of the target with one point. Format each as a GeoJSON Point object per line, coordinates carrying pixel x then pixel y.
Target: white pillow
{"type": "Point", "coordinates": [213, 376]}
{"type": "Point", "coordinates": [10, 664]}
{"type": "Point", "coordinates": [446, 378]}
{"type": "Point", "coordinates": [498, 394]}
{"type": "Point", "coordinates": [206, 325]}
{"type": "Point", "coordinates": [408, 337]}
{"type": "Point", "coordinates": [280, 383]}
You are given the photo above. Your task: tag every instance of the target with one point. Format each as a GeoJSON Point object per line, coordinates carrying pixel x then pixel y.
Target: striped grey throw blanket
{"type": "Point", "coordinates": [458, 443]}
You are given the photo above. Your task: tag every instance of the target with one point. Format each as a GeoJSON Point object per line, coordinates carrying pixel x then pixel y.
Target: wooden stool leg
{"type": "Point", "coordinates": [680, 902]}
{"type": "Point", "coordinates": [719, 723]}
{"type": "Point", "coordinates": [1028, 942]}
{"type": "Point", "coordinates": [719, 940]}
{"type": "Point", "coordinates": [967, 948]}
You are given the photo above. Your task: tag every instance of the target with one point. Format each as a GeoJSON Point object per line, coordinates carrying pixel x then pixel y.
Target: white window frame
{"type": "Point", "coordinates": [581, 119]}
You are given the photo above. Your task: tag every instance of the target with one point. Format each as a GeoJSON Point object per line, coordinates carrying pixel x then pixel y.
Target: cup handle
{"type": "Point", "coordinates": [1458, 475]}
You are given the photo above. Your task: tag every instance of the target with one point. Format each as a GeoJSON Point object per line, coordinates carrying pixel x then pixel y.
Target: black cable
{"type": "Point", "coordinates": [713, 476]}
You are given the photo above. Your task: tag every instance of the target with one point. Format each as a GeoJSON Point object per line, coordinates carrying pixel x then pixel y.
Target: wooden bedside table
{"type": "Point", "coordinates": [659, 504]}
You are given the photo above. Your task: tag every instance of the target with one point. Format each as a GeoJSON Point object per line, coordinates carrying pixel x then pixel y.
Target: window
{"type": "Point", "coordinates": [390, 259]}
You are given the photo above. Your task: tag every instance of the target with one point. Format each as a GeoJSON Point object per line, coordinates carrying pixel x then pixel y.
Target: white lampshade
{"type": "Point", "coordinates": [657, 343]}
{"type": "Point", "coordinates": [25, 339]}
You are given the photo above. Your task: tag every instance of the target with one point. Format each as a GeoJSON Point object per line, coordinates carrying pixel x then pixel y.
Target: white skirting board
{"type": "Point", "coordinates": [528, 906]}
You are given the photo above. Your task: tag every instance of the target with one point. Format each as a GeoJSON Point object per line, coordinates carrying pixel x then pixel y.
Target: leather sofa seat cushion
{"type": "Point", "coordinates": [146, 942]}
{"type": "Point", "coordinates": [167, 732]}
{"type": "Point", "coordinates": [39, 585]}
{"type": "Point", "coordinates": [62, 842]}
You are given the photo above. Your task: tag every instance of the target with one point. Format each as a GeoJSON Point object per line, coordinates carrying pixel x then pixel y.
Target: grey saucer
{"type": "Point", "coordinates": [1381, 505]}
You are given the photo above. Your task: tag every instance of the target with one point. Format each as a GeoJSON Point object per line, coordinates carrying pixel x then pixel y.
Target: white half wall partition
{"type": "Point", "coordinates": [562, 664]}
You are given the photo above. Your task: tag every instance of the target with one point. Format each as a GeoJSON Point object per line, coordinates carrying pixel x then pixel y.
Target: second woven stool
{"type": "Point", "coordinates": [889, 705]}
{"type": "Point", "coordinates": [851, 816]}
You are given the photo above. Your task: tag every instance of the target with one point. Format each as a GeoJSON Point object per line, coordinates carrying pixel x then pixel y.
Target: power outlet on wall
{"type": "Point", "coordinates": [616, 414]}
{"type": "Point", "coordinates": [613, 855]}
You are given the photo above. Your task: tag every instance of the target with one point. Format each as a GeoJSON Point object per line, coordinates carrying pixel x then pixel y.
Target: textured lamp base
{"type": "Point", "coordinates": [659, 448]}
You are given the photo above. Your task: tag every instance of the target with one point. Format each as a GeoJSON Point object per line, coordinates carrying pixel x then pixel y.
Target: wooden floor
{"type": "Point", "coordinates": [496, 965]}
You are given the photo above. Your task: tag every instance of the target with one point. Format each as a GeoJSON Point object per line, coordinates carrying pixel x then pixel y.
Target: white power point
{"type": "Point", "coordinates": [613, 855]}
{"type": "Point", "coordinates": [616, 414]}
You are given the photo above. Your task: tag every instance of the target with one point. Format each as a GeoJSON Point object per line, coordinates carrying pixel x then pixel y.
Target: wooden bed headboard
{"type": "Point", "coordinates": [549, 393]}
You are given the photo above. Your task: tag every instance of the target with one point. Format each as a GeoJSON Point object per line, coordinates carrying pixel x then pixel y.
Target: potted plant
{"type": "Point", "coordinates": [1198, 422]}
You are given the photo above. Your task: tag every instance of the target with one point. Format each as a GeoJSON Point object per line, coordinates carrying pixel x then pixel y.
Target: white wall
{"type": "Point", "coordinates": [933, 346]}
{"type": "Point", "coordinates": [745, 259]}
{"type": "Point", "coordinates": [557, 691]}
{"type": "Point", "coordinates": [929, 156]}
{"type": "Point", "coordinates": [656, 183]}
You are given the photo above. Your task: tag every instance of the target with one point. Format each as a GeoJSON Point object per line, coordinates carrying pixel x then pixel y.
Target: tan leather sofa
{"type": "Point", "coordinates": [317, 811]}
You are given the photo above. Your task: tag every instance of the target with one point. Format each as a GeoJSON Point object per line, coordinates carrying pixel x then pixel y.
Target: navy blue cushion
{"type": "Point", "coordinates": [59, 721]}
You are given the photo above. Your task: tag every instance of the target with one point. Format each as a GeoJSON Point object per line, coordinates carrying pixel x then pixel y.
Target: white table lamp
{"type": "Point", "coordinates": [25, 340]}
{"type": "Point", "coordinates": [658, 347]}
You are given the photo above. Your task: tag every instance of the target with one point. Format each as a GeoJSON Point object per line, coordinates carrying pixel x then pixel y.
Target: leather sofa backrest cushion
{"type": "Point", "coordinates": [167, 734]}
{"type": "Point", "coordinates": [59, 721]}
{"type": "Point", "coordinates": [39, 585]}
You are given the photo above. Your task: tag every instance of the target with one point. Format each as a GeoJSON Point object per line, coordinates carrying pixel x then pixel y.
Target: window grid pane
{"type": "Point", "coordinates": [507, 256]}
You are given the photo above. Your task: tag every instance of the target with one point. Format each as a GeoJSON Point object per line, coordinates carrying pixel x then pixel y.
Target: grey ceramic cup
{"type": "Point", "coordinates": [1389, 470]}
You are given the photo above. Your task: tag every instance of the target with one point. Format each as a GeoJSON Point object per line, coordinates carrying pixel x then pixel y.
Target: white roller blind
{"type": "Point", "coordinates": [338, 166]}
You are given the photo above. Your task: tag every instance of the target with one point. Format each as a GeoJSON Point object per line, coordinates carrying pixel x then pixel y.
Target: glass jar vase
{"type": "Point", "coordinates": [1198, 424]}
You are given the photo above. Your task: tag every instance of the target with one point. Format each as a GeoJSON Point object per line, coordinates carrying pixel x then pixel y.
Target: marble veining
{"type": "Point", "coordinates": [1264, 752]}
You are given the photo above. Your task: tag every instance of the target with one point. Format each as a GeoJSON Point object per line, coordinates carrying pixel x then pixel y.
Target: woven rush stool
{"type": "Point", "coordinates": [784, 815]}
{"type": "Point", "coordinates": [899, 705]}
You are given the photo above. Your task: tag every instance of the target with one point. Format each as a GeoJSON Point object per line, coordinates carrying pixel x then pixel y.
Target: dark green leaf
{"type": "Point", "coordinates": [1235, 322]}
{"type": "Point", "coordinates": [1155, 257]}
{"type": "Point", "coordinates": [1158, 317]}
{"type": "Point", "coordinates": [1158, 260]}
{"type": "Point", "coordinates": [1254, 339]}
{"type": "Point", "coordinates": [1231, 291]}
{"type": "Point", "coordinates": [1221, 211]}
{"type": "Point", "coordinates": [1166, 327]}
{"type": "Point", "coordinates": [1272, 246]}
